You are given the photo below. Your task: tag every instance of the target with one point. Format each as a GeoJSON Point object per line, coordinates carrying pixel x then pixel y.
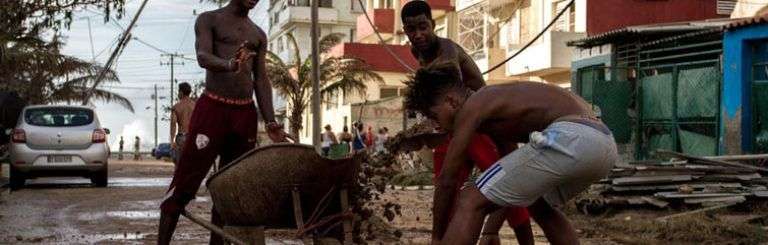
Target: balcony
{"type": "Point", "coordinates": [383, 19]}
{"type": "Point", "coordinates": [547, 56]}
{"type": "Point", "coordinates": [302, 14]}
{"type": "Point", "coordinates": [437, 5]}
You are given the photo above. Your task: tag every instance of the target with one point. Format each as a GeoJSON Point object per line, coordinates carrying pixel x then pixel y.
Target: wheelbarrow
{"type": "Point", "coordinates": [276, 186]}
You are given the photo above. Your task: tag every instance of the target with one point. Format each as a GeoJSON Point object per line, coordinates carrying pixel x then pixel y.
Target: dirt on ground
{"type": "Point", "coordinates": [70, 211]}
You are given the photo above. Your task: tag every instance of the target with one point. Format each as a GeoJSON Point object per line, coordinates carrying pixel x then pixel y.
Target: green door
{"type": "Point", "coordinates": [760, 97]}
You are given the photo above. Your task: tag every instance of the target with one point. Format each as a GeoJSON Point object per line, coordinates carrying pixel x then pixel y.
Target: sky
{"type": "Point", "coordinates": [167, 25]}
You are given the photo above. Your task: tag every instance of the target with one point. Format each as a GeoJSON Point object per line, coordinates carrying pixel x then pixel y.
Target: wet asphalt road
{"type": "Point", "coordinates": [71, 211]}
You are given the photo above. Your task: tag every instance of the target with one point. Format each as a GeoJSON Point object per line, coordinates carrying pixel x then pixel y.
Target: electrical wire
{"type": "Point", "coordinates": [551, 23]}
{"type": "Point", "coordinates": [382, 42]}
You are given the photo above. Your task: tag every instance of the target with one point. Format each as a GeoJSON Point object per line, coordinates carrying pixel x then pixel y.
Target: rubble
{"type": "Point", "coordinates": [681, 182]}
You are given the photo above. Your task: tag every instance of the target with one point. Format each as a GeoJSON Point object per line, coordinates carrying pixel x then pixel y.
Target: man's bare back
{"type": "Point", "coordinates": [183, 113]}
{"type": "Point", "coordinates": [526, 107]}
{"type": "Point", "coordinates": [450, 52]}
{"type": "Point", "coordinates": [220, 36]}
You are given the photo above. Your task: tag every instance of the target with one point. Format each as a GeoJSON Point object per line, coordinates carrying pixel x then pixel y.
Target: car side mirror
{"type": "Point", "coordinates": [106, 130]}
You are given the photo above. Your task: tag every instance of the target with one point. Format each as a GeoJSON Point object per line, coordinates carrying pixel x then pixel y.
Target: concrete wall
{"type": "Point", "coordinates": [736, 118]}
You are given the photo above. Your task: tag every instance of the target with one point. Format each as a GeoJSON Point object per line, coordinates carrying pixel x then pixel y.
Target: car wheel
{"type": "Point", "coordinates": [99, 179]}
{"type": "Point", "coordinates": [17, 179]}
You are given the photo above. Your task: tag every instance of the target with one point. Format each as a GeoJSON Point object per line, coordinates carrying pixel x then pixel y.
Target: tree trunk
{"type": "Point", "coordinates": [295, 122]}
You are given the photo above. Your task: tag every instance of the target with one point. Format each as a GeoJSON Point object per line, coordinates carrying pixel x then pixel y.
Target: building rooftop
{"type": "Point", "coordinates": [663, 28]}
{"type": "Point", "coordinates": [377, 56]}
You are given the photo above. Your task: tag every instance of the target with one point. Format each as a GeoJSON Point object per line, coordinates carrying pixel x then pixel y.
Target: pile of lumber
{"type": "Point", "coordinates": [682, 181]}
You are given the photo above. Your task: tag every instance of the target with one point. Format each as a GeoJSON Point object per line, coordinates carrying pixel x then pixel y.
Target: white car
{"type": "Point", "coordinates": [54, 140]}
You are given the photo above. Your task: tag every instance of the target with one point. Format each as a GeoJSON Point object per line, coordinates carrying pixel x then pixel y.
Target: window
{"type": "Point", "coordinates": [567, 22]}
{"type": "Point", "coordinates": [356, 7]}
{"type": "Point", "coordinates": [58, 117]}
{"type": "Point", "coordinates": [472, 31]}
{"type": "Point", "coordinates": [326, 3]}
{"type": "Point", "coordinates": [388, 93]}
{"type": "Point", "coordinates": [332, 100]}
{"type": "Point", "coordinates": [726, 7]}
{"type": "Point", "coordinates": [525, 21]}
{"type": "Point", "coordinates": [351, 35]}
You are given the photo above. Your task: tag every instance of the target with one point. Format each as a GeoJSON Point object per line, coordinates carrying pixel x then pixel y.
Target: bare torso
{"type": "Point", "coordinates": [183, 110]}
{"type": "Point", "coordinates": [526, 107]}
{"type": "Point", "coordinates": [227, 32]}
{"type": "Point", "coordinates": [449, 52]}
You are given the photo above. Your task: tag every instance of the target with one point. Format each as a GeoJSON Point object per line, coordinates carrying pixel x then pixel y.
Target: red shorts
{"type": "Point", "coordinates": [215, 129]}
{"type": "Point", "coordinates": [481, 153]}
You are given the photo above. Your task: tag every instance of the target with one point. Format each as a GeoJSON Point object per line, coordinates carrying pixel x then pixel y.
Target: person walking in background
{"type": "Point", "coordinates": [369, 137]}
{"type": "Point", "coordinates": [328, 139]}
{"type": "Point", "coordinates": [181, 113]}
{"type": "Point", "coordinates": [382, 137]}
{"type": "Point", "coordinates": [120, 149]}
{"type": "Point", "coordinates": [136, 153]}
{"type": "Point", "coordinates": [358, 141]}
{"type": "Point", "coordinates": [345, 139]}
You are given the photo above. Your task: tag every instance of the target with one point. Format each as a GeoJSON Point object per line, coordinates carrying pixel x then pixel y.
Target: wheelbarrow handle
{"type": "Point", "coordinates": [213, 228]}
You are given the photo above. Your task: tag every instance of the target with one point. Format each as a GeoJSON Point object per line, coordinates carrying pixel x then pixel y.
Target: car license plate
{"type": "Point", "coordinates": [59, 159]}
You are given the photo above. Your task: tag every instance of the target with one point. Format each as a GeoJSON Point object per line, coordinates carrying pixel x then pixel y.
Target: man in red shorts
{"type": "Point", "coordinates": [224, 122]}
{"type": "Point", "coordinates": [482, 154]}
{"type": "Point", "coordinates": [432, 50]}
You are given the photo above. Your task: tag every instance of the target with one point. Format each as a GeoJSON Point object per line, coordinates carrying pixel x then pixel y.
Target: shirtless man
{"type": "Point", "coordinates": [181, 113]}
{"type": "Point", "coordinates": [232, 49]}
{"type": "Point", "coordinates": [431, 50]}
{"type": "Point", "coordinates": [567, 149]}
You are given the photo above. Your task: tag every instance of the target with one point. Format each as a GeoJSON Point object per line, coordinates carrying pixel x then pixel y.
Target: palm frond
{"type": "Point", "coordinates": [329, 41]}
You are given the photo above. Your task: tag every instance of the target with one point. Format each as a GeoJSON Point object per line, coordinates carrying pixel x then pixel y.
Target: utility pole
{"type": "Point", "coordinates": [120, 45]}
{"type": "Point", "coordinates": [315, 76]}
{"type": "Point", "coordinates": [171, 63]}
{"type": "Point", "coordinates": [156, 95]}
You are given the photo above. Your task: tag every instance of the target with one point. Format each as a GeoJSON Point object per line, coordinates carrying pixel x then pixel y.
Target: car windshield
{"type": "Point", "coordinates": [58, 117]}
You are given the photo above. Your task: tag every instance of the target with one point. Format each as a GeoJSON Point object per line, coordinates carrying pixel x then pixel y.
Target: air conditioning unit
{"type": "Point", "coordinates": [726, 7]}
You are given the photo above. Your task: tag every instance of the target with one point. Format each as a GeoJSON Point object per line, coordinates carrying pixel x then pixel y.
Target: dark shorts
{"type": "Point", "coordinates": [215, 129]}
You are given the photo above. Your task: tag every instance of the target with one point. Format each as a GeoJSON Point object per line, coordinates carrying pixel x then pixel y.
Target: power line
{"type": "Point", "coordinates": [381, 40]}
{"type": "Point", "coordinates": [570, 5]}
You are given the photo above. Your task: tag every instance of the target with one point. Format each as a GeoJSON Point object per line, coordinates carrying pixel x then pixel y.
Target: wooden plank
{"type": "Point", "coordinates": [673, 187]}
{"type": "Point", "coordinates": [656, 202]}
{"type": "Point", "coordinates": [712, 161]}
{"type": "Point", "coordinates": [738, 157]}
{"type": "Point", "coordinates": [729, 199]}
{"type": "Point", "coordinates": [651, 179]}
{"type": "Point", "coordinates": [698, 194]}
{"type": "Point", "coordinates": [668, 217]}
{"type": "Point", "coordinates": [761, 194]}
{"type": "Point", "coordinates": [738, 177]}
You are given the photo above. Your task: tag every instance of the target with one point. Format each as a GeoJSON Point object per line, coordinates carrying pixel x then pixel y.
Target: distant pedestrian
{"type": "Point", "coordinates": [181, 113]}
{"type": "Point", "coordinates": [369, 137]}
{"type": "Point", "coordinates": [328, 139]}
{"type": "Point", "coordinates": [381, 138]}
{"type": "Point", "coordinates": [345, 139]}
{"type": "Point", "coordinates": [358, 141]}
{"type": "Point", "coordinates": [136, 153]}
{"type": "Point", "coordinates": [120, 149]}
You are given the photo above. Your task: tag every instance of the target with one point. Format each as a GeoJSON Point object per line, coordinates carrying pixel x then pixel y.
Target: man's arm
{"type": "Point", "coordinates": [466, 122]}
{"type": "Point", "coordinates": [204, 46]}
{"type": "Point", "coordinates": [262, 85]}
{"type": "Point", "coordinates": [472, 76]}
{"type": "Point", "coordinates": [173, 126]}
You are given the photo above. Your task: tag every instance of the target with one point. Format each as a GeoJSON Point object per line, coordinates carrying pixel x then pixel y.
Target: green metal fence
{"type": "Point", "coordinates": [610, 91]}
{"type": "Point", "coordinates": [679, 106]}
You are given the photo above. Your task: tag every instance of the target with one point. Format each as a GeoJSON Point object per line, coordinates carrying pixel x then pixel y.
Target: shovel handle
{"type": "Point", "coordinates": [213, 228]}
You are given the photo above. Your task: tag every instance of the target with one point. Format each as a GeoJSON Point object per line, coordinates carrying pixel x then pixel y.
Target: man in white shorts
{"type": "Point", "coordinates": [568, 148]}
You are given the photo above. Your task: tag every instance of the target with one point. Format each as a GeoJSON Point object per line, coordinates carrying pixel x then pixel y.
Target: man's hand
{"type": "Point", "coordinates": [277, 134]}
{"type": "Point", "coordinates": [173, 145]}
{"type": "Point", "coordinates": [243, 54]}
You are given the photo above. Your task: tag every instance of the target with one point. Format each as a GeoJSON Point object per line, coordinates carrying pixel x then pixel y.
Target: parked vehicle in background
{"type": "Point", "coordinates": [55, 140]}
{"type": "Point", "coordinates": [162, 150]}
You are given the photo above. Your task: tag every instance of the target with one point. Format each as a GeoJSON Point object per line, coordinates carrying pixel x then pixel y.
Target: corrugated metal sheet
{"type": "Point", "coordinates": [746, 22]}
{"type": "Point", "coordinates": [680, 27]}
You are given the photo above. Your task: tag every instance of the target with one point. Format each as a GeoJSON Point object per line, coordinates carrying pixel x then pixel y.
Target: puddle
{"type": "Point", "coordinates": [139, 182]}
{"type": "Point", "coordinates": [113, 182]}
{"type": "Point", "coordinates": [154, 214]}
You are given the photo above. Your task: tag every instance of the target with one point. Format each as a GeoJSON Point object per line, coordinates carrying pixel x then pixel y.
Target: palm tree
{"type": "Point", "coordinates": [292, 81]}
{"type": "Point", "coordinates": [40, 74]}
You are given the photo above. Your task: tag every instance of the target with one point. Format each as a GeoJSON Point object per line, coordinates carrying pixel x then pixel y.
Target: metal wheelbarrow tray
{"type": "Point", "coordinates": [255, 189]}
